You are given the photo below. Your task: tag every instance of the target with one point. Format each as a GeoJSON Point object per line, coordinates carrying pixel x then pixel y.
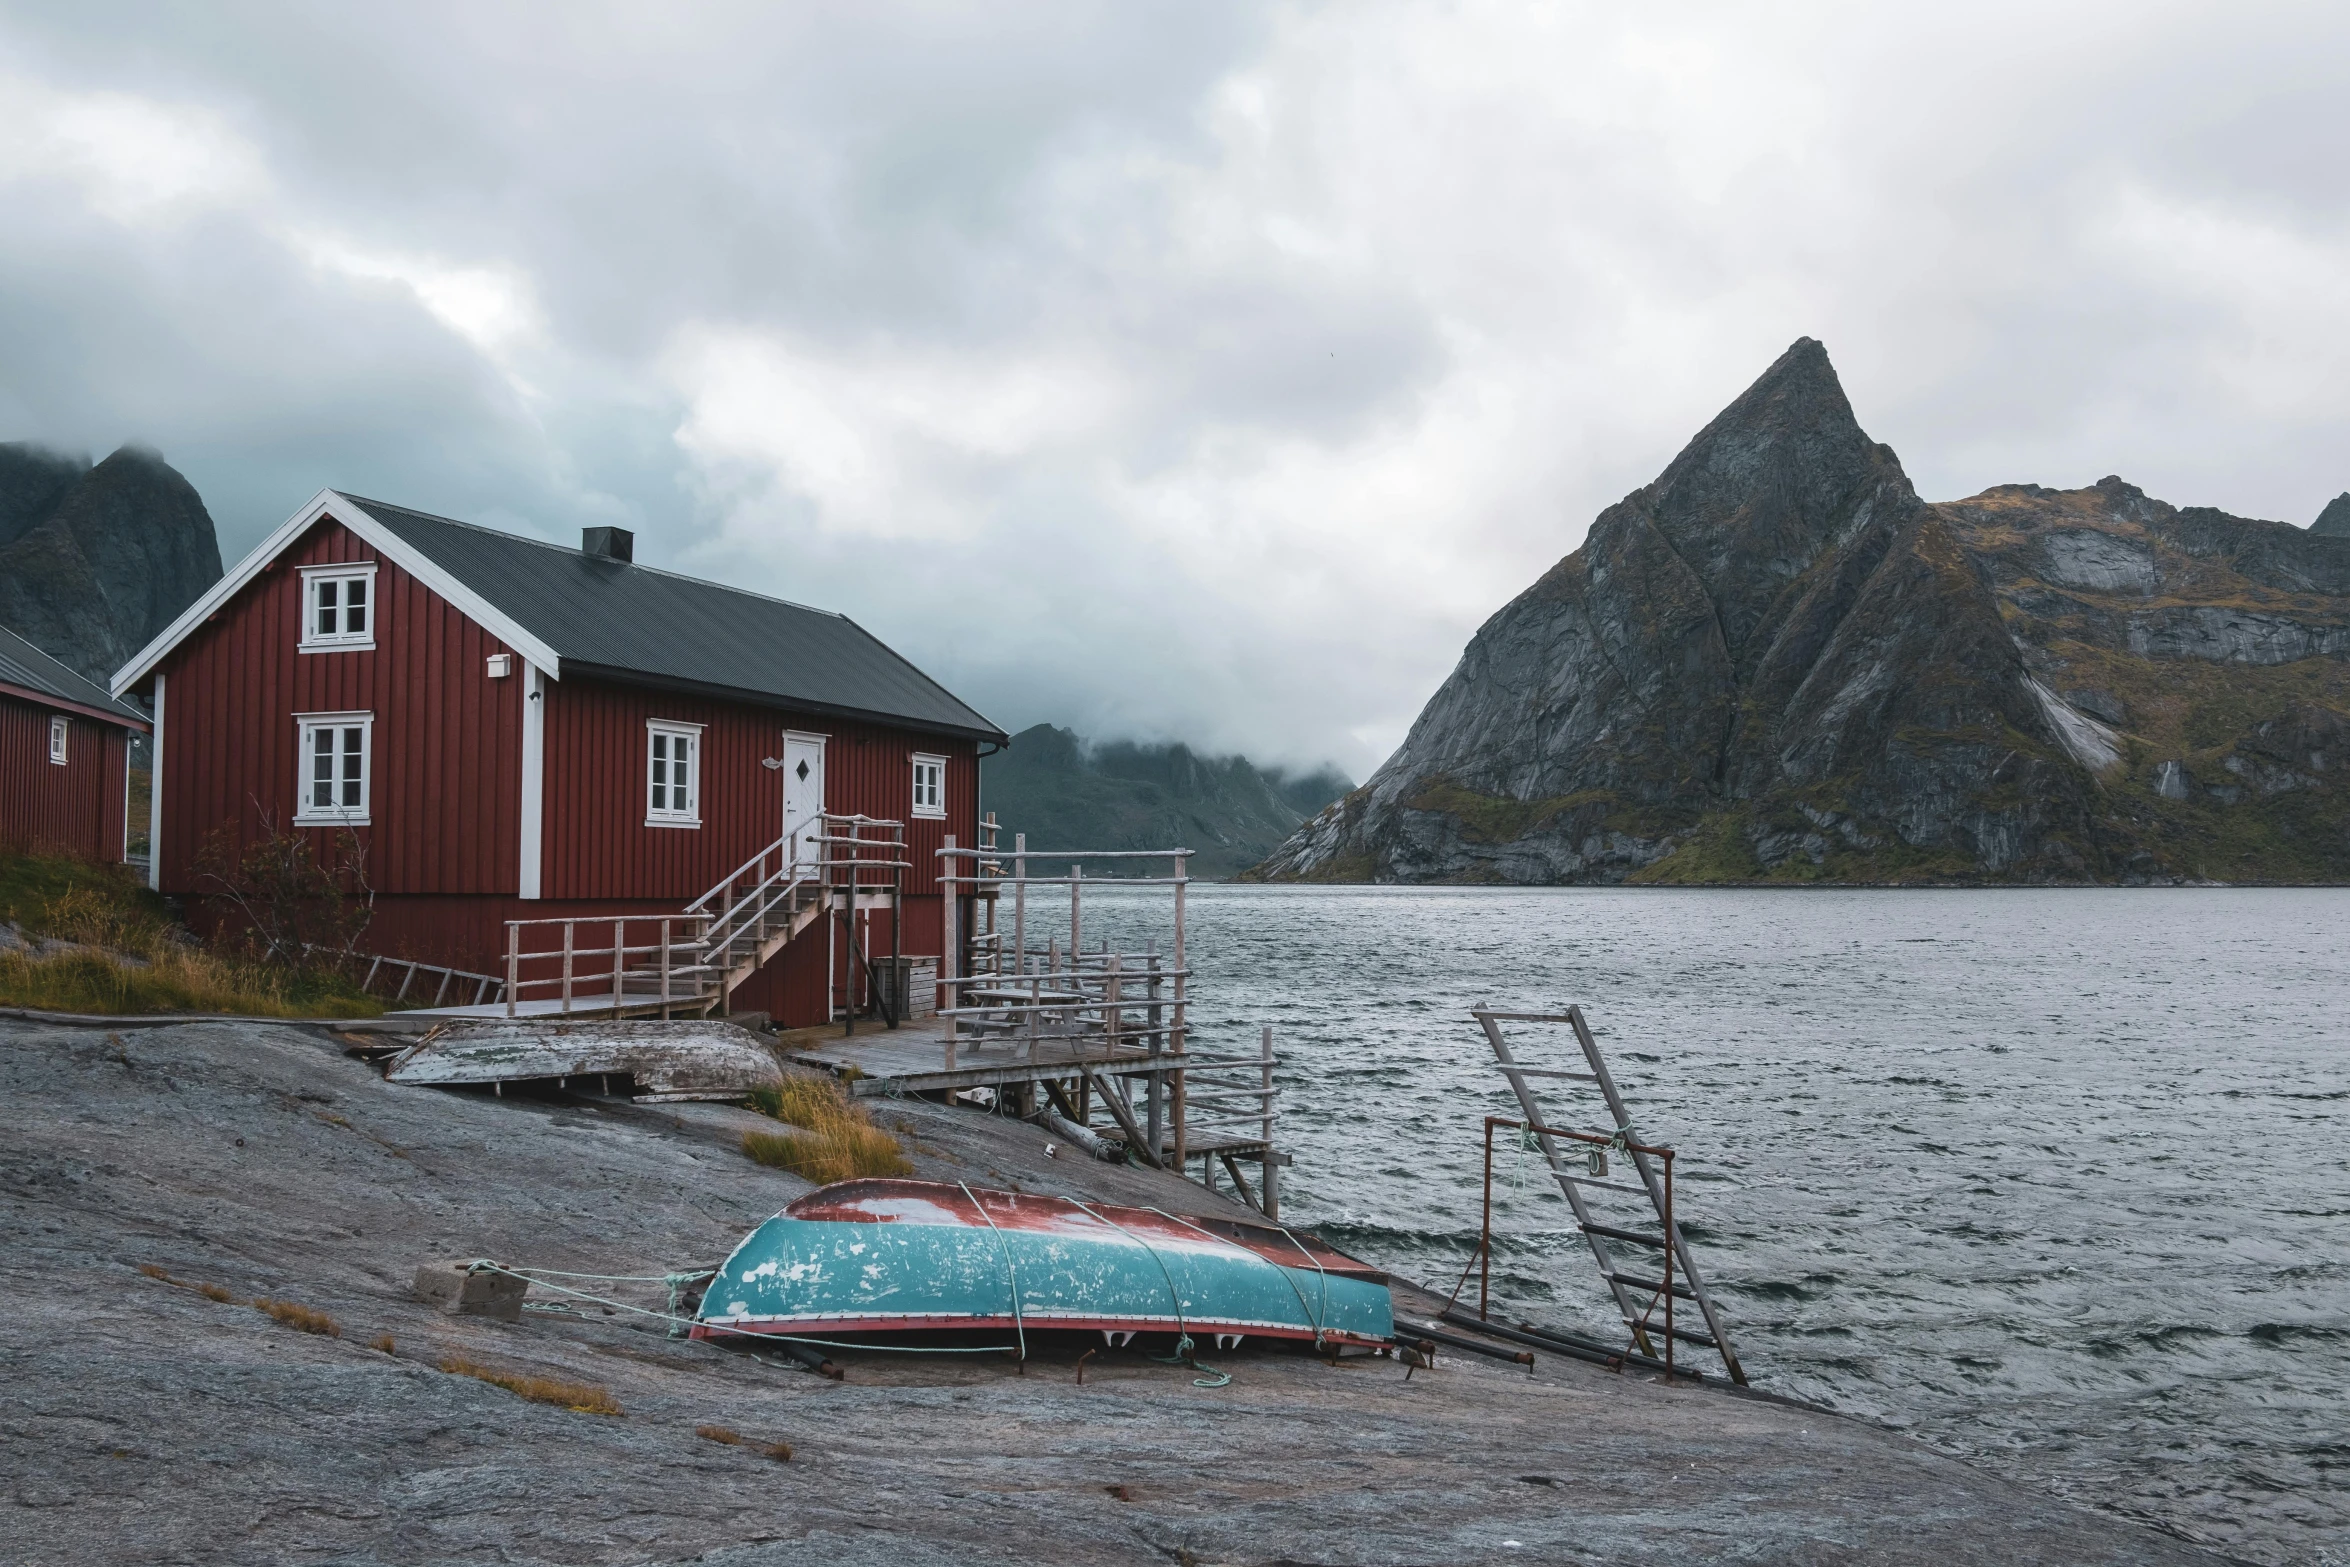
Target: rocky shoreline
{"type": "Point", "coordinates": [143, 1421]}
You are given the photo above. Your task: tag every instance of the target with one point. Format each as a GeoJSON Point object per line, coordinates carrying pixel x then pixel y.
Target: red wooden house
{"type": "Point", "coordinates": [64, 757]}
{"type": "Point", "coordinates": [515, 731]}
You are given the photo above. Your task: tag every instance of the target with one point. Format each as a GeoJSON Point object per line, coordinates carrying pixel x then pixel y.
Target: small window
{"type": "Point", "coordinates": [673, 774]}
{"type": "Point", "coordinates": [335, 767]}
{"type": "Point", "coordinates": [338, 608]}
{"type": "Point", "coordinates": [930, 786]}
{"type": "Point", "coordinates": [59, 727]}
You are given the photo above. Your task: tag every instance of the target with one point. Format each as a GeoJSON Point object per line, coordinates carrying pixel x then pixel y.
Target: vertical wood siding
{"type": "Point", "coordinates": [444, 795]}
{"type": "Point", "coordinates": [598, 844]}
{"type": "Point", "coordinates": [75, 809]}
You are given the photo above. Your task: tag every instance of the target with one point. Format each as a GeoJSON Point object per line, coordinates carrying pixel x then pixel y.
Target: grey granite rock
{"type": "Point", "coordinates": [141, 1421]}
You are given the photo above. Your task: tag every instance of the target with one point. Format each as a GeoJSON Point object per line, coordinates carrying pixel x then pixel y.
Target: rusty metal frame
{"type": "Point", "coordinates": [1485, 1225]}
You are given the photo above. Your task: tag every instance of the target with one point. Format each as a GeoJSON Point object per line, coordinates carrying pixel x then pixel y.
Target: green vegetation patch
{"type": "Point", "coordinates": [132, 958]}
{"type": "Point", "coordinates": [1496, 819]}
{"type": "Point", "coordinates": [1721, 850]}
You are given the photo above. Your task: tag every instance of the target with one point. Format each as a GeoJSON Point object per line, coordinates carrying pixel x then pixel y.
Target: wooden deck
{"type": "Point", "coordinates": [913, 1057]}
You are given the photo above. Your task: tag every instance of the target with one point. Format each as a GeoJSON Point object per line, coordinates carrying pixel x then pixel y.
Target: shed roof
{"type": "Point", "coordinates": [26, 670]}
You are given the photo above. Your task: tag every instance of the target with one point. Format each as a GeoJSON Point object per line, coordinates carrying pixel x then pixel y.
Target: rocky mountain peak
{"type": "Point", "coordinates": [101, 559]}
{"type": "Point", "coordinates": [2334, 521]}
{"type": "Point", "coordinates": [1782, 474]}
{"type": "Point", "coordinates": [1775, 662]}
{"type": "Point", "coordinates": [33, 479]}
{"type": "Point", "coordinates": [1789, 438]}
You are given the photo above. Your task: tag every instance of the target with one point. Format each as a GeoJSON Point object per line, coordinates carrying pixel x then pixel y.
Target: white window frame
{"type": "Point", "coordinates": [342, 641]}
{"type": "Point", "coordinates": [339, 814]}
{"type": "Point", "coordinates": [936, 768]}
{"type": "Point", "coordinates": [60, 726]}
{"type": "Point", "coordinates": [673, 732]}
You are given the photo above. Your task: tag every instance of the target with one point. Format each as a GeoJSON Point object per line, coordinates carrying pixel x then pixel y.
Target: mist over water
{"type": "Point", "coordinates": [2055, 1180]}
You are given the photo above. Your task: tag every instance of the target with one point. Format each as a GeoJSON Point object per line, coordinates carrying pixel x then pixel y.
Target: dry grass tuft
{"type": "Point", "coordinates": [208, 1291]}
{"type": "Point", "coordinates": [779, 1451]}
{"type": "Point", "coordinates": [300, 1318]}
{"type": "Point", "coordinates": [579, 1396]}
{"type": "Point", "coordinates": [721, 1434]}
{"type": "Point", "coordinates": [383, 1341]}
{"type": "Point", "coordinates": [134, 959]}
{"type": "Point", "coordinates": [837, 1141]}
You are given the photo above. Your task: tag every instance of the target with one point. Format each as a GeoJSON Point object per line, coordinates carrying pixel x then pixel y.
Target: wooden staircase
{"type": "Point", "coordinates": [690, 963]}
{"type": "Point", "coordinates": [755, 912]}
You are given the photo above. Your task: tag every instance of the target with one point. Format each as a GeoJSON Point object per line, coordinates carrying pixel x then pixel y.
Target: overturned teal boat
{"type": "Point", "coordinates": [897, 1256]}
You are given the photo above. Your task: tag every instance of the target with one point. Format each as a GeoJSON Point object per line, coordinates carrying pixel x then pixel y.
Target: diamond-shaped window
{"type": "Point", "coordinates": [803, 769]}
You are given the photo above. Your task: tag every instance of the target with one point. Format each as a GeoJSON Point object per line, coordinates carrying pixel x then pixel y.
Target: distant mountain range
{"type": "Point", "coordinates": [1066, 794]}
{"type": "Point", "coordinates": [1776, 663]}
{"type": "Point", "coordinates": [95, 561]}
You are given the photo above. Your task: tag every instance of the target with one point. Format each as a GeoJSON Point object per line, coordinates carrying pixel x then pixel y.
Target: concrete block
{"type": "Point", "coordinates": [449, 1285]}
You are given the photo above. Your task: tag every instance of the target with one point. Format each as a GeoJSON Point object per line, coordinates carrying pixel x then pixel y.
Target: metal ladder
{"type": "Point", "coordinates": [1683, 1279]}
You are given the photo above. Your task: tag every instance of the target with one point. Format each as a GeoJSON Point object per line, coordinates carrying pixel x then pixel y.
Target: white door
{"type": "Point", "coordinates": [803, 794]}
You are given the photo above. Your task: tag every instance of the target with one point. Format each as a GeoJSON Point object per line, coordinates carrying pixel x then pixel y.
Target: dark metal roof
{"type": "Point", "coordinates": [29, 669]}
{"type": "Point", "coordinates": [634, 623]}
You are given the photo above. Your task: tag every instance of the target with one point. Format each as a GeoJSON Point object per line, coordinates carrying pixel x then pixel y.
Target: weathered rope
{"type": "Point", "coordinates": [1312, 1321]}
{"type": "Point", "coordinates": [1011, 1268]}
{"type": "Point", "coordinates": [484, 1265]}
{"type": "Point", "coordinates": [1319, 1269]}
{"type": "Point", "coordinates": [1183, 1355]}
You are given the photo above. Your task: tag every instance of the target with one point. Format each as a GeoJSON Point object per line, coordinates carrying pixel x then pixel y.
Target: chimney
{"type": "Point", "coordinates": [609, 543]}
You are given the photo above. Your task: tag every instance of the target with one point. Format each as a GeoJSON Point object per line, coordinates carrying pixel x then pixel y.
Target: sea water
{"type": "Point", "coordinates": [2057, 1181]}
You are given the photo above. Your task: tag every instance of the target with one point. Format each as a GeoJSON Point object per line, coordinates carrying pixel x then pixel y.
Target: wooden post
{"type": "Point", "coordinates": [1020, 902]}
{"type": "Point", "coordinates": [1155, 1086]}
{"type": "Point", "coordinates": [1076, 929]}
{"type": "Point", "coordinates": [1113, 1016]}
{"type": "Point", "coordinates": [513, 963]}
{"type": "Point", "coordinates": [950, 964]}
{"type": "Point", "coordinates": [1269, 1181]}
{"type": "Point", "coordinates": [1176, 1043]}
{"type": "Point", "coordinates": [665, 972]}
{"type": "Point", "coordinates": [567, 929]}
{"type": "Point", "coordinates": [619, 961]}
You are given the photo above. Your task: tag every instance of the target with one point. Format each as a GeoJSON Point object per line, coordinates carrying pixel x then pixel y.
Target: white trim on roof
{"type": "Point", "coordinates": [392, 547]}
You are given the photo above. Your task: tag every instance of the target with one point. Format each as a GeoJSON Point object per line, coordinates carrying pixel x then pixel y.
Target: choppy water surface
{"type": "Point", "coordinates": [2058, 1181]}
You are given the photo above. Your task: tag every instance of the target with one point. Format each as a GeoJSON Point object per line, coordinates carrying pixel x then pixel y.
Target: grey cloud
{"type": "Point", "coordinates": [1347, 319]}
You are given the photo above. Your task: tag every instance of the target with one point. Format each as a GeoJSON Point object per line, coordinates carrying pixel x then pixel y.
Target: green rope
{"type": "Point", "coordinates": [1183, 1355]}
{"type": "Point", "coordinates": [1010, 1267]}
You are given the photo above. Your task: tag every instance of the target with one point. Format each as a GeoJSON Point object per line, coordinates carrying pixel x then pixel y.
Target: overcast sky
{"type": "Point", "coordinates": [1190, 371]}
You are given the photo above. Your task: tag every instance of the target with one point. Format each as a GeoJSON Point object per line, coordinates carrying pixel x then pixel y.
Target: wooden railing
{"type": "Point", "coordinates": [602, 963]}
{"type": "Point", "coordinates": [379, 970]}
{"type": "Point", "coordinates": [691, 960]}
